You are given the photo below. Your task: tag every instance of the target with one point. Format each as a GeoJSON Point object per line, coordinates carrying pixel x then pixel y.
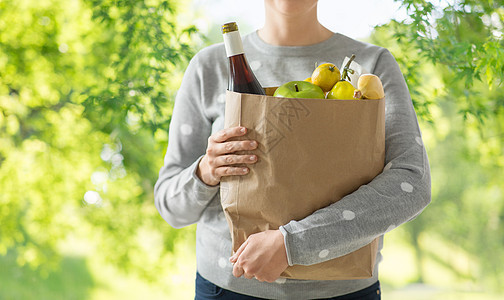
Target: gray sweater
{"type": "Point", "coordinates": [394, 197]}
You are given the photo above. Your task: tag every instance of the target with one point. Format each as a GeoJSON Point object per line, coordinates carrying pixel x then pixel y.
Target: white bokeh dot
{"type": "Point", "coordinates": [63, 48]}
{"type": "Point", "coordinates": [323, 253]}
{"type": "Point", "coordinates": [222, 262]}
{"type": "Point", "coordinates": [255, 65]}
{"type": "Point", "coordinates": [390, 228]}
{"type": "Point", "coordinates": [408, 188]}
{"type": "Point", "coordinates": [348, 215]}
{"type": "Point", "coordinates": [388, 166]}
{"type": "Point", "coordinates": [419, 140]}
{"type": "Point", "coordinates": [186, 129]}
{"type": "Point", "coordinates": [44, 21]}
{"type": "Point", "coordinates": [92, 197]}
{"type": "Point", "coordinates": [281, 280]}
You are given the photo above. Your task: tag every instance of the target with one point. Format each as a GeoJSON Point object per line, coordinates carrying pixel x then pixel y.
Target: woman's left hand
{"type": "Point", "coordinates": [262, 256]}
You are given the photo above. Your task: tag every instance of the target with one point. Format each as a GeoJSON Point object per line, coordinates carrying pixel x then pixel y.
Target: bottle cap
{"type": "Point", "coordinates": [229, 27]}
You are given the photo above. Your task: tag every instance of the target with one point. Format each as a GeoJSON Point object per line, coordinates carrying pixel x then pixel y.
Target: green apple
{"type": "Point", "coordinates": [299, 89]}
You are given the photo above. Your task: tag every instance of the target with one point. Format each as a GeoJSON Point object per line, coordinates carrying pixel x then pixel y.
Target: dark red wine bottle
{"type": "Point", "coordinates": [241, 77]}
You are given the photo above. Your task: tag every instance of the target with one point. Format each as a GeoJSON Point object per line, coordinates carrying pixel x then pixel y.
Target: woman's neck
{"type": "Point", "coordinates": [296, 30]}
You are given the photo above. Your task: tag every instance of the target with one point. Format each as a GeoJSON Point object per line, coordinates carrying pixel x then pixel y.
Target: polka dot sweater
{"type": "Point", "coordinates": [394, 197]}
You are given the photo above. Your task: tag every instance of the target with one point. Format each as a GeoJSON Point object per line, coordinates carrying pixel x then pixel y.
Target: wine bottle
{"type": "Point", "coordinates": [241, 78]}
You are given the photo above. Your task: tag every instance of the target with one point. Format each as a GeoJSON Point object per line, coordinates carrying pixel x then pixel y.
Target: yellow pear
{"type": "Point", "coordinates": [369, 87]}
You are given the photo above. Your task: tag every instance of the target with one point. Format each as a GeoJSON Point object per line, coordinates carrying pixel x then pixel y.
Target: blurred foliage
{"type": "Point", "coordinates": [72, 280]}
{"type": "Point", "coordinates": [451, 58]}
{"type": "Point", "coordinates": [467, 39]}
{"type": "Point", "coordinates": [86, 92]}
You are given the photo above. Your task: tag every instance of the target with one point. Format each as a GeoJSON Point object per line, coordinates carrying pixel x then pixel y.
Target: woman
{"type": "Point", "coordinates": [199, 155]}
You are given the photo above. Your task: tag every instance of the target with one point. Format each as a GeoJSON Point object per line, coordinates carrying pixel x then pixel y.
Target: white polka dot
{"type": "Point", "coordinates": [186, 129]}
{"type": "Point", "coordinates": [222, 98]}
{"type": "Point", "coordinates": [281, 280]}
{"type": "Point", "coordinates": [323, 253]}
{"type": "Point", "coordinates": [408, 188]}
{"type": "Point", "coordinates": [223, 262]}
{"type": "Point", "coordinates": [419, 140]}
{"type": "Point", "coordinates": [388, 166]}
{"type": "Point", "coordinates": [390, 228]}
{"type": "Point", "coordinates": [348, 215]}
{"type": "Point", "coordinates": [254, 65]}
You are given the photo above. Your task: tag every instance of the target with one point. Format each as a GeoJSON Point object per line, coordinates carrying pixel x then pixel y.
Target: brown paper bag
{"type": "Point", "coordinates": [311, 153]}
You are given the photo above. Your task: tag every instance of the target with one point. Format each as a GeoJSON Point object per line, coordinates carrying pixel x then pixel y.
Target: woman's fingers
{"type": "Point", "coordinates": [237, 268]}
{"type": "Point", "coordinates": [230, 171]}
{"type": "Point", "coordinates": [227, 160]}
{"type": "Point", "coordinates": [238, 252]}
{"type": "Point", "coordinates": [237, 271]}
{"type": "Point", "coordinates": [220, 158]}
{"type": "Point", "coordinates": [227, 133]}
{"type": "Point", "coordinates": [232, 146]}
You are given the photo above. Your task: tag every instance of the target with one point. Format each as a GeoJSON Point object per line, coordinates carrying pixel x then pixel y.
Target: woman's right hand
{"type": "Point", "coordinates": [220, 158]}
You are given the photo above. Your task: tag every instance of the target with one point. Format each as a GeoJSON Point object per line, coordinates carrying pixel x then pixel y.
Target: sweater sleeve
{"type": "Point", "coordinates": [392, 198]}
{"type": "Point", "coordinates": [179, 195]}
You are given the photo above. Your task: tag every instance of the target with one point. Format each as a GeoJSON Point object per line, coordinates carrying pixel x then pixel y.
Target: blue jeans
{"type": "Point", "coordinates": [205, 290]}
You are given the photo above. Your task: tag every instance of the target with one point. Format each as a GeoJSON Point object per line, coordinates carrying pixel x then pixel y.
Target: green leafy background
{"type": "Point", "coordinates": [86, 94]}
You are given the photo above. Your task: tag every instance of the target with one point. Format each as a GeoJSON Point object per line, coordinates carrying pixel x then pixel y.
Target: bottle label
{"type": "Point", "coordinates": [233, 43]}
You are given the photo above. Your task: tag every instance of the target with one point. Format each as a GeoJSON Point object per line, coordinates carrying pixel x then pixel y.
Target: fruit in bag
{"type": "Point", "coordinates": [369, 86]}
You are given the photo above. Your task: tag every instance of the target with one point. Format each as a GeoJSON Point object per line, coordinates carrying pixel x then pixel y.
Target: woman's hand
{"type": "Point", "coordinates": [262, 256]}
{"type": "Point", "coordinates": [220, 158]}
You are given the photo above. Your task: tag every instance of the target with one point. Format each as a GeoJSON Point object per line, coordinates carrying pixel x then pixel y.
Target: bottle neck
{"type": "Point", "coordinates": [233, 43]}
